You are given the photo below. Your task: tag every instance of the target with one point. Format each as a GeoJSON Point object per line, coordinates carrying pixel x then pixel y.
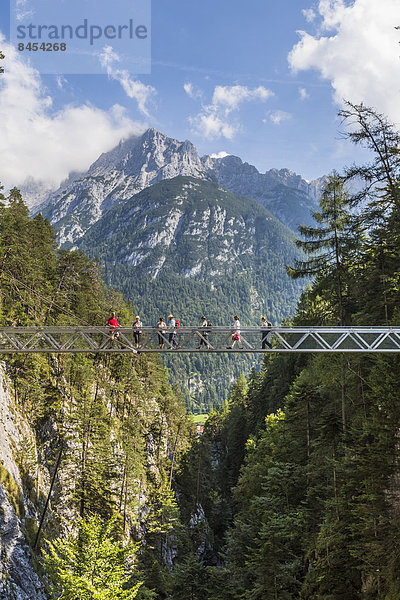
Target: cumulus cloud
{"type": "Point", "coordinates": [133, 88]}
{"type": "Point", "coordinates": [230, 97]}
{"type": "Point", "coordinates": [277, 116]}
{"type": "Point", "coordinates": [356, 49]}
{"type": "Point", "coordinates": [212, 126]}
{"type": "Point", "coordinates": [215, 120]}
{"type": "Point", "coordinates": [39, 142]}
{"type": "Point", "coordinates": [309, 14]}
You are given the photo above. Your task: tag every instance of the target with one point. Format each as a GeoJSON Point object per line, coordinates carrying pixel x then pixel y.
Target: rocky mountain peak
{"type": "Point", "coordinates": [149, 152]}
{"type": "Point", "coordinates": [142, 160]}
{"type": "Point", "coordinates": [134, 164]}
{"type": "Point", "coordinates": [287, 195]}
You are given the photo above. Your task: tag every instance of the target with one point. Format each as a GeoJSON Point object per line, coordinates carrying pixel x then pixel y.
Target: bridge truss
{"type": "Point", "coordinates": [191, 339]}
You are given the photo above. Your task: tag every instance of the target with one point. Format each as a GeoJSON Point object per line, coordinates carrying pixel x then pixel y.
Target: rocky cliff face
{"type": "Point", "coordinates": [18, 579]}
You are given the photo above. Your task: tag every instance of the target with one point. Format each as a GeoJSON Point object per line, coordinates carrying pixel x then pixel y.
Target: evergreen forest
{"type": "Point", "coordinates": [291, 493]}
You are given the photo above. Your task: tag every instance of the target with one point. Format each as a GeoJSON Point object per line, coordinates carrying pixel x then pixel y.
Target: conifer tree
{"type": "Point", "coordinates": [92, 563]}
{"type": "Point", "coordinates": [372, 130]}
{"type": "Point", "coordinates": [330, 245]}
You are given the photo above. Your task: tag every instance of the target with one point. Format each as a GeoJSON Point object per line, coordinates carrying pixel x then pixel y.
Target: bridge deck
{"type": "Point", "coordinates": [192, 339]}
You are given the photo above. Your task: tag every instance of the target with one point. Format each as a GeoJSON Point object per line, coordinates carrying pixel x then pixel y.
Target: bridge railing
{"type": "Point", "coordinates": [198, 339]}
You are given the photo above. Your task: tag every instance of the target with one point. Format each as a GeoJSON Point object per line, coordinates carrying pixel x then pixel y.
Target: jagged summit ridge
{"type": "Point", "coordinates": [148, 154]}
{"type": "Point", "coordinates": [287, 195]}
{"type": "Point", "coordinates": [136, 163]}
{"type": "Point", "coordinates": [143, 160]}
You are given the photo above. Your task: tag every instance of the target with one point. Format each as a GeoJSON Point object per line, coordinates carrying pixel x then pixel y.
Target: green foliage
{"type": "Point", "coordinates": [91, 564]}
{"type": "Point", "coordinates": [13, 491]}
{"type": "Point", "coordinates": [121, 426]}
{"type": "Point", "coordinates": [332, 247]}
{"type": "Point", "coordinates": [312, 511]}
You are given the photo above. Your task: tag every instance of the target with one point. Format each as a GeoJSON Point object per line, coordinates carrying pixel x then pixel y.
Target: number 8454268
{"type": "Point", "coordinates": [44, 47]}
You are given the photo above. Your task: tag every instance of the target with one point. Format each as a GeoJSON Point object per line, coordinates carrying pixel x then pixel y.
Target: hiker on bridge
{"type": "Point", "coordinates": [137, 330]}
{"type": "Point", "coordinates": [172, 325]}
{"type": "Point", "coordinates": [265, 331]}
{"type": "Point", "coordinates": [113, 325]}
{"type": "Point", "coordinates": [235, 333]}
{"type": "Point", "coordinates": [161, 326]}
{"type": "Point", "coordinates": [204, 336]}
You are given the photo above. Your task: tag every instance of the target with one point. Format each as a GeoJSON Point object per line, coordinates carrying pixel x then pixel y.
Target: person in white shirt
{"type": "Point", "coordinates": [137, 330]}
{"type": "Point", "coordinates": [236, 333]}
{"type": "Point", "coordinates": [172, 336]}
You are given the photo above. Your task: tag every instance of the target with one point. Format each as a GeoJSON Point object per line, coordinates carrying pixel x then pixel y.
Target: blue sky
{"type": "Point", "coordinates": [230, 76]}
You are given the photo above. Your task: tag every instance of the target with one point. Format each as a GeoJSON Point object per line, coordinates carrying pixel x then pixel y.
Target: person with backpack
{"type": "Point", "coordinates": [161, 326]}
{"type": "Point", "coordinates": [265, 331]}
{"type": "Point", "coordinates": [173, 325]}
{"type": "Point", "coordinates": [137, 330]}
{"type": "Point", "coordinates": [204, 336]}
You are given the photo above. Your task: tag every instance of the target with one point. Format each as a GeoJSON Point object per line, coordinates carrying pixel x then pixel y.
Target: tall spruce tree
{"type": "Point", "coordinates": [329, 246]}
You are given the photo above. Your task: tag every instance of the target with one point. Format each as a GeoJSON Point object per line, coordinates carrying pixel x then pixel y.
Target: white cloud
{"type": "Point", "coordinates": [277, 116]}
{"type": "Point", "coordinates": [357, 51]}
{"type": "Point", "coordinates": [221, 154]}
{"type": "Point", "coordinates": [133, 88]}
{"type": "Point", "coordinates": [60, 81]}
{"type": "Point", "coordinates": [303, 93]}
{"type": "Point", "coordinates": [46, 144]}
{"type": "Point", "coordinates": [211, 126]}
{"type": "Point", "coordinates": [309, 14]}
{"type": "Point", "coordinates": [23, 10]}
{"type": "Point", "coordinates": [230, 97]}
{"type": "Point", "coordinates": [192, 91]}
{"type": "Point", "coordinates": [215, 120]}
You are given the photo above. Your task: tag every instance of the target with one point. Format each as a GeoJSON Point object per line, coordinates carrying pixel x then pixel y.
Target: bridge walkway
{"type": "Point", "coordinates": [197, 339]}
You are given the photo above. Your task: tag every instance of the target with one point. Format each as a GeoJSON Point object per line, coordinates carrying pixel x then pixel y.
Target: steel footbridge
{"type": "Point", "coordinates": [201, 339]}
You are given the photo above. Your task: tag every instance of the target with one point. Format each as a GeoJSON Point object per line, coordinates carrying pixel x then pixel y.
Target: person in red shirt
{"type": "Point", "coordinates": [113, 324]}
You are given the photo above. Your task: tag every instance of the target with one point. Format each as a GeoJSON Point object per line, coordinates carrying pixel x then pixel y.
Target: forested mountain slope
{"type": "Point", "coordinates": [184, 235]}
{"type": "Point", "coordinates": [114, 422]}
{"type": "Point", "coordinates": [187, 247]}
{"type": "Point", "coordinates": [298, 474]}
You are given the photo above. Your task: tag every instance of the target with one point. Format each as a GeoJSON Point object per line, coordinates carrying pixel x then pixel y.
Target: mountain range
{"type": "Point", "coordinates": [186, 244]}
{"type": "Point", "coordinates": [191, 235]}
{"type": "Point", "coordinates": [141, 161]}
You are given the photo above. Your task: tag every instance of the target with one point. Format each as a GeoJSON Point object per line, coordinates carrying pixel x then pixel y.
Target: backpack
{"type": "Point", "coordinates": [209, 324]}
{"type": "Point", "coordinates": [177, 324]}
